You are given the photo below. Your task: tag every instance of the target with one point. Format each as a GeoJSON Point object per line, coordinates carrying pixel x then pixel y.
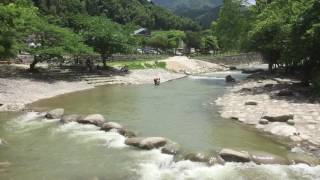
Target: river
{"type": "Point", "coordinates": [182, 110]}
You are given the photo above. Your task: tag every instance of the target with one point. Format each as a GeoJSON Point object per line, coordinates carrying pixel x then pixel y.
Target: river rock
{"type": "Point", "coordinates": [232, 68]}
{"type": "Point", "coordinates": [126, 133]}
{"type": "Point", "coordinates": [285, 93]}
{"type": "Point", "coordinates": [291, 122]}
{"type": "Point", "coordinates": [298, 158]}
{"type": "Point", "coordinates": [263, 121]}
{"type": "Point", "coordinates": [268, 86]}
{"type": "Point", "coordinates": [252, 71]}
{"type": "Point", "coordinates": [153, 142]}
{"type": "Point", "coordinates": [230, 79]}
{"type": "Point", "coordinates": [196, 157]}
{"type": "Point", "coordinates": [251, 103]}
{"type": "Point", "coordinates": [171, 147]}
{"type": "Point", "coordinates": [70, 118]}
{"type": "Point", "coordinates": [95, 119]}
{"type": "Point", "coordinates": [231, 155]}
{"type": "Point", "coordinates": [135, 141]}
{"type": "Point", "coordinates": [281, 129]}
{"type": "Point", "coordinates": [55, 114]}
{"type": "Point", "coordinates": [267, 158]}
{"type": "Point", "coordinates": [111, 125]}
{"type": "Point", "coordinates": [283, 118]}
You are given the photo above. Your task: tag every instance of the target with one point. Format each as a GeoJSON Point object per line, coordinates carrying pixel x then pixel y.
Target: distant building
{"type": "Point", "coordinates": [142, 32]}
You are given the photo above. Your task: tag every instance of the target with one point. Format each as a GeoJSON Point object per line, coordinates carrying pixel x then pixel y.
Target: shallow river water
{"type": "Point", "coordinates": [181, 110]}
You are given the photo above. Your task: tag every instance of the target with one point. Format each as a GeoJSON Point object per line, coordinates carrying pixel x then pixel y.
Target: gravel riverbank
{"type": "Point", "coordinates": [271, 106]}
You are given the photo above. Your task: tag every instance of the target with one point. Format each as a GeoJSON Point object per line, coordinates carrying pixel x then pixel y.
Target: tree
{"type": "Point", "coordinates": [271, 32]}
{"type": "Point", "coordinates": [8, 35]}
{"type": "Point", "coordinates": [53, 42]}
{"type": "Point", "coordinates": [166, 39]}
{"type": "Point", "coordinates": [105, 36]}
{"type": "Point", "coordinates": [232, 25]}
{"type": "Point", "coordinates": [193, 40]}
{"type": "Point", "coordinates": [209, 42]}
{"type": "Point", "coordinates": [25, 30]}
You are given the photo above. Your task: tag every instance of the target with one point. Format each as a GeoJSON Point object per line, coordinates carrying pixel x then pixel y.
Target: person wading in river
{"type": "Point", "coordinates": [156, 81]}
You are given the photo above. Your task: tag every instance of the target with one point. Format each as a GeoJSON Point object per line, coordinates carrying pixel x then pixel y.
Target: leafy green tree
{"type": "Point", "coordinates": [232, 24]}
{"type": "Point", "coordinates": [53, 42]}
{"type": "Point", "coordinates": [8, 35]}
{"type": "Point", "coordinates": [166, 39]}
{"type": "Point", "coordinates": [193, 39]}
{"type": "Point", "coordinates": [159, 41]}
{"type": "Point", "coordinates": [271, 32]}
{"type": "Point", "coordinates": [209, 42]}
{"type": "Point", "coordinates": [25, 30]}
{"type": "Point", "coordinates": [105, 36]}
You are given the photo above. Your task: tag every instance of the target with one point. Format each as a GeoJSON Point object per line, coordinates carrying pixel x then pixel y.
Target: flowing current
{"type": "Point", "coordinates": [182, 110]}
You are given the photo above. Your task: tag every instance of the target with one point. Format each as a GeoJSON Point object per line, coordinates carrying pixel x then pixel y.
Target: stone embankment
{"type": "Point", "coordinates": [170, 147]}
{"type": "Point", "coordinates": [276, 106]}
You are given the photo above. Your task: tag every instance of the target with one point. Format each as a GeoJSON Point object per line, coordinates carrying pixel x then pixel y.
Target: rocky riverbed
{"type": "Point", "coordinates": [273, 106]}
{"type": "Point", "coordinates": [170, 147]}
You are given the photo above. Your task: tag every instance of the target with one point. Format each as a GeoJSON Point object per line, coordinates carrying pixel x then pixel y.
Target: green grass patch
{"type": "Point", "coordinates": [138, 64]}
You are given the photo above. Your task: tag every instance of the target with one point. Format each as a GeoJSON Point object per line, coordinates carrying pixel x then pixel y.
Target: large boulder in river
{"type": "Point", "coordinates": [126, 133]}
{"type": "Point", "coordinates": [298, 158]}
{"type": "Point", "coordinates": [55, 114]}
{"type": "Point", "coordinates": [111, 125]}
{"type": "Point", "coordinates": [251, 103]}
{"type": "Point", "coordinates": [95, 119]}
{"type": "Point", "coordinates": [281, 129]}
{"type": "Point", "coordinates": [267, 158]}
{"type": "Point", "coordinates": [230, 155]}
{"type": "Point", "coordinates": [135, 141]}
{"type": "Point", "coordinates": [230, 79]}
{"type": "Point", "coordinates": [171, 147]}
{"type": "Point", "coordinates": [153, 142]}
{"type": "Point", "coordinates": [283, 118]}
{"type": "Point", "coordinates": [70, 118]}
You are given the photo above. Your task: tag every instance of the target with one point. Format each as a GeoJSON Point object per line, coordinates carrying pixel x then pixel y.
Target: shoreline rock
{"type": "Point", "coordinates": [94, 119]}
{"type": "Point", "coordinates": [230, 155]}
{"type": "Point", "coordinates": [291, 117]}
{"type": "Point", "coordinates": [55, 113]}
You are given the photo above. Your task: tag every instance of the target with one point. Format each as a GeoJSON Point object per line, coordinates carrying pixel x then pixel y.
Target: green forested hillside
{"type": "Point", "coordinates": [190, 4]}
{"type": "Point", "coordinates": [201, 11]}
{"type": "Point", "coordinates": [139, 12]}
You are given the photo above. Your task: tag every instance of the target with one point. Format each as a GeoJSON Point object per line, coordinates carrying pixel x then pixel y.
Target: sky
{"type": "Point", "coordinates": [252, 1]}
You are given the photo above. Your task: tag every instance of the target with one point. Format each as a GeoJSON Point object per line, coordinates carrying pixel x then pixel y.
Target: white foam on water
{"type": "Point", "coordinates": [157, 166]}
{"type": "Point", "coordinates": [86, 133]}
{"type": "Point", "coordinates": [206, 77]}
{"type": "Point", "coordinates": [28, 122]}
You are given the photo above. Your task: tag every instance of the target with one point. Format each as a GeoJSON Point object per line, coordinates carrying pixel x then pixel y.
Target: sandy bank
{"type": "Point", "coordinates": [15, 93]}
{"type": "Point", "coordinates": [252, 100]}
{"type": "Point", "coordinates": [182, 64]}
{"type": "Point", "coordinates": [18, 88]}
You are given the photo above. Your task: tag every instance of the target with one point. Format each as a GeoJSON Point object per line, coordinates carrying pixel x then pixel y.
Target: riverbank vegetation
{"type": "Point", "coordinates": [285, 32]}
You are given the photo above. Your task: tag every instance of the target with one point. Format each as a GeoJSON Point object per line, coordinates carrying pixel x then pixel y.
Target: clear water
{"type": "Point", "coordinates": [181, 110]}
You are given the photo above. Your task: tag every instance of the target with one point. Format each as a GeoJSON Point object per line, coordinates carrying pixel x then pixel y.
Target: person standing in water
{"type": "Point", "coordinates": [156, 81]}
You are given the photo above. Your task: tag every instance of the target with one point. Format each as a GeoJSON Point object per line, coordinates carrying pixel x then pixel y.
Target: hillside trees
{"type": "Point", "coordinates": [232, 25]}
{"type": "Point", "coordinates": [166, 39]}
{"type": "Point", "coordinates": [139, 12]}
{"type": "Point", "coordinates": [26, 31]}
{"type": "Point", "coordinates": [105, 36]}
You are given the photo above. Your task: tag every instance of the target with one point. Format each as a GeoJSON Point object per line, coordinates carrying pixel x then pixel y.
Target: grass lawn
{"type": "Point", "coordinates": [138, 64]}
